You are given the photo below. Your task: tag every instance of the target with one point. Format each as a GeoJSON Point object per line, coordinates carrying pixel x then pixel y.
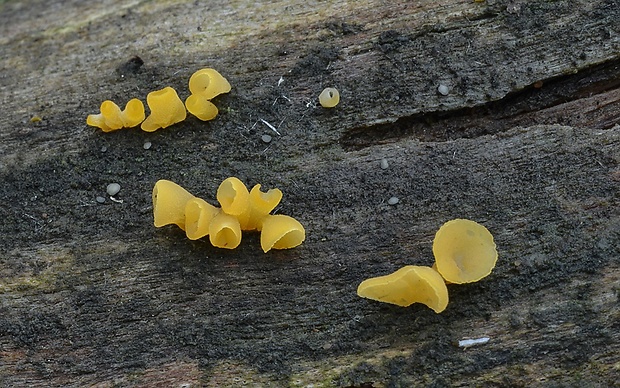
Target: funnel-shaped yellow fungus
{"type": "Point", "coordinates": [281, 232]}
{"type": "Point", "coordinates": [464, 251]}
{"type": "Point", "coordinates": [200, 107]}
{"type": "Point", "coordinates": [234, 197]}
{"type": "Point", "coordinates": [166, 109]}
{"type": "Point", "coordinates": [133, 114]}
{"type": "Point", "coordinates": [329, 98]}
{"type": "Point", "coordinates": [198, 216]}
{"type": "Point", "coordinates": [410, 284]}
{"type": "Point", "coordinates": [112, 118]}
{"type": "Point", "coordinates": [208, 83]}
{"type": "Point", "coordinates": [261, 204]}
{"type": "Point", "coordinates": [225, 231]}
{"type": "Point", "coordinates": [169, 201]}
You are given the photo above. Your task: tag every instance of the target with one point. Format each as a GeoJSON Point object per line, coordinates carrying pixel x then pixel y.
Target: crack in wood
{"type": "Point", "coordinates": [595, 91]}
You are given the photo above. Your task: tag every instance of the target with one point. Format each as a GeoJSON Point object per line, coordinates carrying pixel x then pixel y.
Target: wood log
{"type": "Point", "coordinates": [523, 137]}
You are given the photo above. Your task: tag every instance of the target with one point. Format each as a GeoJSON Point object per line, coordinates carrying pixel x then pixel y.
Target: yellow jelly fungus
{"type": "Point", "coordinates": [112, 118]}
{"type": "Point", "coordinates": [200, 107]}
{"type": "Point", "coordinates": [198, 216]}
{"type": "Point", "coordinates": [208, 83]}
{"type": "Point", "coordinates": [329, 98]}
{"type": "Point", "coordinates": [410, 284]}
{"type": "Point", "coordinates": [261, 204]}
{"type": "Point", "coordinates": [166, 109]}
{"type": "Point", "coordinates": [225, 231]}
{"type": "Point", "coordinates": [234, 197]}
{"type": "Point", "coordinates": [133, 114]}
{"type": "Point", "coordinates": [169, 201]}
{"type": "Point", "coordinates": [281, 232]}
{"type": "Point", "coordinates": [464, 251]}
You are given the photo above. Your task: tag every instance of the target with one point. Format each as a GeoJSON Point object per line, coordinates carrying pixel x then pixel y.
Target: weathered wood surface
{"type": "Point", "coordinates": [525, 143]}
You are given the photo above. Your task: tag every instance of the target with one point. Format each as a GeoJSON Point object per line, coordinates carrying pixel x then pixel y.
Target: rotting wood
{"type": "Point", "coordinates": [92, 294]}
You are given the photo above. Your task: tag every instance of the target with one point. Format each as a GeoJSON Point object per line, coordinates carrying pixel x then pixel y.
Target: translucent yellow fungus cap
{"type": "Point", "coordinates": [169, 201]}
{"type": "Point", "coordinates": [200, 107]}
{"type": "Point", "coordinates": [281, 232]}
{"type": "Point", "coordinates": [208, 83]}
{"type": "Point", "coordinates": [410, 284]}
{"type": "Point", "coordinates": [133, 114]}
{"type": "Point", "coordinates": [225, 231]}
{"type": "Point", "coordinates": [464, 251]}
{"type": "Point", "coordinates": [198, 216]}
{"type": "Point", "coordinates": [329, 98]}
{"type": "Point", "coordinates": [261, 204]}
{"type": "Point", "coordinates": [112, 118]}
{"type": "Point", "coordinates": [234, 197]}
{"type": "Point", "coordinates": [166, 109]}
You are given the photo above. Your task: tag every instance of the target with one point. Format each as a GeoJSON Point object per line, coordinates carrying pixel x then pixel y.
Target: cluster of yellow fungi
{"type": "Point", "coordinates": [464, 253]}
{"type": "Point", "coordinates": [165, 105]}
{"type": "Point", "coordinates": [240, 210]}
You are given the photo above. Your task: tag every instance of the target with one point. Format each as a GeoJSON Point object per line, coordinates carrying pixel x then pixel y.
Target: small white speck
{"type": "Point", "coordinates": [147, 145]}
{"type": "Point", "coordinates": [104, 149]}
{"type": "Point", "coordinates": [266, 138]}
{"type": "Point", "coordinates": [393, 201]}
{"type": "Point", "coordinates": [113, 189]}
{"type": "Point", "coordinates": [384, 164]}
{"type": "Point", "coordinates": [100, 199]}
{"type": "Point", "coordinates": [471, 342]}
{"type": "Point", "coordinates": [443, 90]}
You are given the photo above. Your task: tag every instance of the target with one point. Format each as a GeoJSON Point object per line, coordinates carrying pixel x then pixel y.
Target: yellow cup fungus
{"type": "Point", "coordinates": [281, 232]}
{"type": "Point", "coordinates": [329, 98]}
{"type": "Point", "coordinates": [204, 85]}
{"type": "Point", "coordinates": [169, 202]}
{"type": "Point", "coordinates": [166, 109]}
{"type": "Point", "coordinates": [410, 284]}
{"type": "Point", "coordinates": [112, 117]}
{"type": "Point", "coordinates": [200, 107]}
{"type": "Point", "coordinates": [198, 216]}
{"type": "Point", "coordinates": [208, 83]}
{"type": "Point", "coordinates": [241, 210]}
{"type": "Point", "coordinates": [464, 251]}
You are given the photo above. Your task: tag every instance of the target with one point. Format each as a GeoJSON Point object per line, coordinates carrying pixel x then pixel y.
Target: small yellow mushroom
{"type": "Point", "coordinates": [198, 216]}
{"type": "Point", "coordinates": [329, 98]}
{"type": "Point", "coordinates": [410, 284]}
{"type": "Point", "coordinates": [112, 118]}
{"type": "Point", "coordinates": [464, 251]}
{"type": "Point", "coordinates": [201, 107]}
{"type": "Point", "coordinates": [234, 197]}
{"type": "Point", "coordinates": [208, 83]}
{"type": "Point", "coordinates": [281, 232]}
{"type": "Point", "coordinates": [166, 109]}
{"type": "Point", "coordinates": [133, 114]}
{"type": "Point", "coordinates": [261, 204]}
{"type": "Point", "coordinates": [169, 202]}
{"type": "Point", "coordinates": [225, 231]}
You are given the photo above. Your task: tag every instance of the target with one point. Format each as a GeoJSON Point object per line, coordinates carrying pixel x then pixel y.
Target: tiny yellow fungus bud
{"type": "Point", "coordinates": [198, 216]}
{"type": "Point", "coordinates": [225, 231]}
{"type": "Point", "coordinates": [464, 251]}
{"type": "Point", "coordinates": [208, 83]}
{"type": "Point", "coordinates": [200, 107]}
{"type": "Point", "coordinates": [329, 98]}
{"type": "Point", "coordinates": [166, 109]}
{"type": "Point", "coordinates": [169, 201]}
{"type": "Point", "coordinates": [410, 284]}
{"type": "Point", "coordinates": [281, 232]}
